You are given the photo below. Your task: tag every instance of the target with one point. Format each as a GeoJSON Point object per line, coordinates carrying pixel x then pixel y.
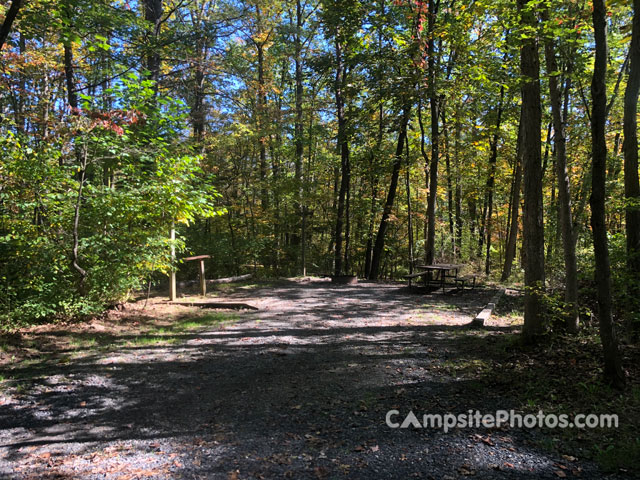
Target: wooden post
{"type": "Point", "coordinates": [173, 294]}
{"type": "Point", "coordinates": [203, 280]}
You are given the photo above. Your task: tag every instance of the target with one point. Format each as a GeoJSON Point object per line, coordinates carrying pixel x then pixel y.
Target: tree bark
{"type": "Point", "coordinates": [613, 373]}
{"type": "Point", "coordinates": [491, 179]}
{"type": "Point", "coordinates": [447, 162]}
{"type": "Point", "coordinates": [630, 148]}
{"type": "Point", "coordinates": [378, 248]}
{"type": "Point", "coordinates": [409, 222]}
{"type": "Point", "coordinates": [533, 229]}
{"type": "Point", "coordinates": [458, 189]}
{"type": "Point", "coordinates": [72, 95]}
{"type": "Point", "coordinates": [153, 15]}
{"type": "Point", "coordinates": [512, 238]}
{"type": "Point", "coordinates": [343, 148]}
{"type": "Point", "coordinates": [434, 101]}
{"type": "Point", "coordinates": [10, 17]}
{"type": "Point", "coordinates": [262, 105]}
{"type": "Point", "coordinates": [298, 127]}
{"type": "Point", "coordinates": [564, 191]}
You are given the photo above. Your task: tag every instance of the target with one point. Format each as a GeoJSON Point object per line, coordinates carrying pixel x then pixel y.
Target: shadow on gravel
{"type": "Point", "coordinates": [259, 401]}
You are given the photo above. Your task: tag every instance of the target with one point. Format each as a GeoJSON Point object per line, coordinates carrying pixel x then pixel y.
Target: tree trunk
{"type": "Point", "coordinates": [343, 148]}
{"type": "Point", "coordinates": [72, 96]}
{"type": "Point", "coordinates": [447, 162]}
{"type": "Point", "coordinates": [630, 148]}
{"type": "Point", "coordinates": [298, 127]}
{"type": "Point", "coordinates": [458, 190]}
{"type": "Point", "coordinates": [197, 109]}
{"type": "Point", "coordinates": [262, 105]}
{"type": "Point", "coordinates": [564, 192]}
{"type": "Point", "coordinates": [512, 238]}
{"type": "Point", "coordinates": [613, 373]}
{"type": "Point", "coordinates": [491, 180]}
{"type": "Point", "coordinates": [9, 18]}
{"type": "Point", "coordinates": [153, 15]}
{"type": "Point", "coordinates": [378, 248]}
{"type": "Point", "coordinates": [434, 101]}
{"type": "Point", "coordinates": [425, 157]}
{"type": "Point", "coordinates": [533, 231]}
{"type": "Point", "coordinates": [409, 222]}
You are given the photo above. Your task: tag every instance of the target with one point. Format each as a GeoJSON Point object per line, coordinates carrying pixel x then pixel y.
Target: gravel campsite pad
{"type": "Point", "coordinates": [298, 388]}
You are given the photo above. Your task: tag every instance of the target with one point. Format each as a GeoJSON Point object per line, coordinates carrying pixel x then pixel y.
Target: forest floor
{"type": "Point", "coordinates": [300, 388]}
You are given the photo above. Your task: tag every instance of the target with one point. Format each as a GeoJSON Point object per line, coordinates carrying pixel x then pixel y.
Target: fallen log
{"type": "Point", "coordinates": [239, 278]}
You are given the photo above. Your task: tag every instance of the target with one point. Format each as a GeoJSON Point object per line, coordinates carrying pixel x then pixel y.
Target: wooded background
{"type": "Point", "coordinates": [324, 136]}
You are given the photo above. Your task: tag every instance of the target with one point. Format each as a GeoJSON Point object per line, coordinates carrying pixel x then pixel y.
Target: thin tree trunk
{"type": "Point", "coordinates": [434, 101]}
{"type": "Point", "coordinates": [533, 231]}
{"type": "Point", "coordinates": [343, 148]}
{"type": "Point", "coordinates": [378, 249]}
{"type": "Point", "coordinates": [630, 148]}
{"type": "Point", "coordinates": [298, 127]}
{"type": "Point", "coordinates": [425, 157]}
{"type": "Point", "coordinates": [564, 192]}
{"type": "Point", "coordinates": [447, 160]}
{"type": "Point", "coordinates": [491, 180]}
{"type": "Point", "coordinates": [262, 122]}
{"type": "Point", "coordinates": [458, 190]}
{"type": "Point", "coordinates": [512, 238]}
{"type": "Point", "coordinates": [613, 373]}
{"type": "Point", "coordinates": [409, 222]}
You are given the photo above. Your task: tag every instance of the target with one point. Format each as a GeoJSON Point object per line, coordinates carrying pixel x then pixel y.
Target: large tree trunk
{"type": "Point", "coordinates": [434, 103]}
{"type": "Point", "coordinates": [612, 363]}
{"type": "Point", "coordinates": [512, 237]}
{"type": "Point", "coordinates": [564, 192]}
{"type": "Point", "coordinates": [378, 248]}
{"type": "Point", "coordinates": [153, 15]}
{"type": "Point", "coordinates": [533, 231]}
{"type": "Point", "coordinates": [9, 18]}
{"type": "Point", "coordinates": [630, 148]}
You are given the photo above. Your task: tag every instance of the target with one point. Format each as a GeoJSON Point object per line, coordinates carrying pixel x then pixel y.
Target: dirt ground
{"type": "Point", "coordinates": [296, 385]}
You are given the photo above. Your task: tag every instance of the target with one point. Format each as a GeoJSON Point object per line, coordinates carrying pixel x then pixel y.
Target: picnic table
{"type": "Point", "coordinates": [438, 275]}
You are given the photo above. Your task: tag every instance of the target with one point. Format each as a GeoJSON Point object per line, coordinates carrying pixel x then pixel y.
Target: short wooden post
{"type": "Point", "coordinates": [203, 280]}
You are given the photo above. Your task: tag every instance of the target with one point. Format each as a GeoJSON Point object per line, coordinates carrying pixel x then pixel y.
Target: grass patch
{"type": "Point", "coordinates": [146, 340]}
{"type": "Point", "coordinates": [210, 319]}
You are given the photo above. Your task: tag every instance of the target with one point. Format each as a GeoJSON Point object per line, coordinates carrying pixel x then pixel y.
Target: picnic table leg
{"type": "Point", "coordinates": [203, 281]}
